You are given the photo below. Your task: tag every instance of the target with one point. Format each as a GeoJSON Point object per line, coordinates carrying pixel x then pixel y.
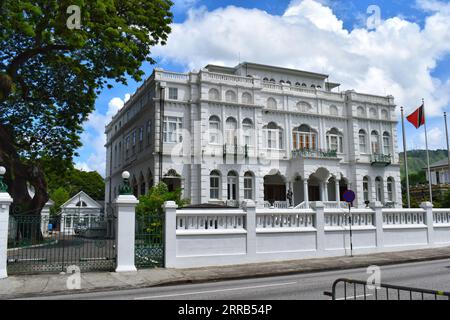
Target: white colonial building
{"type": "Point", "coordinates": [255, 132]}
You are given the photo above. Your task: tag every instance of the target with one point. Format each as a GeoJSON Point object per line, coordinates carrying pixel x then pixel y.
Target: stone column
{"type": "Point", "coordinates": [336, 190]}
{"type": "Point", "coordinates": [305, 192]}
{"type": "Point", "coordinates": [319, 209]}
{"type": "Point", "coordinates": [170, 234]}
{"type": "Point", "coordinates": [250, 207]}
{"type": "Point", "coordinates": [378, 222]}
{"type": "Point", "coordinates": [428, 207]}
{"type": "Point", "coordinates": [125, 205]}
{"type": "Point", "coordinates": [5, 202]}
{"type": "Point", "coordinates": [325, 191]}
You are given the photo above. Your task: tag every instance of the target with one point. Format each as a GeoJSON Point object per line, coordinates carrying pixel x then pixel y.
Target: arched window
{"type": "Point", "coordinates": [247, 129]}
{"type": "Point", "coordinates": [271, 103]}
{"type": "Point", "coordinates": [246, 98]}
{"type": "Point", "coordinates": [390, 189]}
{"type": "Point", "coordinates": [214, 94]}
{"type": "Point", "coordinates": [230, 96]}
{"type": "Point", "coordinates": [214, 185]}
{"type": "Point", "coordinates": [230, 131]}
{"type": "Point", "coordinates": [288, 82]}
{"type": "Point", "coordinates": [81, 204]}
{"type": "Point", "coordinates": [266, 79]}
{"type": "Point", "coordinates": [272, 80]}
{"type": "Point", "coordinates": [379, 188]}
{"type": "Point", "coordinates": [386, 143]}
{"type": "Point", "coordinates": [373, 113]}
{"type": "Point", "coordinates": [366, 192]}
{"type": "Point", "coordinates": [303, 84]}
{"type": "Point", "coordinates": [297, 84]}
{"type": "Point", "coordinates": [281, 81]}
{"type": "Point", "coordinates": [335, 140]}
{"type": "Point", "coordinates": [248, 185]}
{"type": "Point", "coordinates": [360, 112]}
{"type": "Point", "coordinates": [384, 114]}
{"type": "Point", "coordinates": [334, 110]}
{"type": "Point", "coordinates": [375, 142]}
{"type": "Point", "coordinates": [232, 186]}
{"type": "Point", "coordinates": [303, 106]}
{"type": "Point", "coordinates": [273, 136]}
{"type": "Point", "coordinates": [319, 87]}
{"type": "Point", "coordinates": [304, 138]}
{"type": "Point", "coordinates": [362, 141]}
{"type": "Point", "coordinates": [313, 86]}
{"type": "Point", "coordinates": [214, 130]}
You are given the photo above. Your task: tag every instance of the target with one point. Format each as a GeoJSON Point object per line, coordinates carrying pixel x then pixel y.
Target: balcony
{"type": "Point", "coordinates": [314, 154]}
{"type": "Point", "coordinates": [233, 149]}
{"type": "Point", "coordinates": [380, 160]}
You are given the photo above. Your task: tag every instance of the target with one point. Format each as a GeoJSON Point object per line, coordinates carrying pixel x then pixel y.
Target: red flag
{"type": "Point", "coordinates": [417, 118]}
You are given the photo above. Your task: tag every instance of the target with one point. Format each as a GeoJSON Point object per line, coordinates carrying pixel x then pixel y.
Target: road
{"type": "Point", "coordinates": [431, 275]}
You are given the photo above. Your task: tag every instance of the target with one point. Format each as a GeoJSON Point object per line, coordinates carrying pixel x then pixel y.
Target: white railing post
{"type": "Point", "coordinates": [170, 234]}
{"type": "Point", "coordinates": [378, 216]}
{"type": "Point", "coordinates": [125, 205]}
{"type": "Point", "coordinates": [5, 202]}
{"type": "Point", "coordinates": [428, 207]}
{"type": "Point", "coordinates": [250, 208]}
{"type": "Point", "coordinates": [319, 209]}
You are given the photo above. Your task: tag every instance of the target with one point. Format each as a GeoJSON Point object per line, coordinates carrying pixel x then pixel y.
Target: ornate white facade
{"type": "Point", "coordinates": [255, 132]}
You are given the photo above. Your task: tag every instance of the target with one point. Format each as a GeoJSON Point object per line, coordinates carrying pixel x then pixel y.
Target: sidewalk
{"type": "Point", "coordinates": [49, 284]}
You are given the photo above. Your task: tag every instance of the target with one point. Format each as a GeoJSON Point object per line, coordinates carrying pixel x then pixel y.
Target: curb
{"type": "Point", "coordinates": [227, 277]}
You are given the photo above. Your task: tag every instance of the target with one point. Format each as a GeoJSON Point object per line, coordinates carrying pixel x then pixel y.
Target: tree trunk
{"type": "Point", "coordinates": [18, 175]}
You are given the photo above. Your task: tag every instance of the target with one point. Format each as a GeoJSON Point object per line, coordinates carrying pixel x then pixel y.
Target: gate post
{"type": "Point", "coordinates": [319, 209]}
{"type": "Point", "coordinates": [428, 207]}
{"type": "Point", "coordinates": [377, 207]}
{"type": "Point", "coordinates": [170, 234]}
{"type": "Point", "coordinates": [125, 237]}
{"type": "Point", "coordinates": [5, 202]}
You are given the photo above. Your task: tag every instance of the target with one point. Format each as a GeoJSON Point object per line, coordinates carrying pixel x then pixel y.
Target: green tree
{"type": "Point", "coordinates": [59, 197]}
{"type": "Point", "coordinates": [152, 202]}
{"type": "Point", "coordinates": [50, 76]}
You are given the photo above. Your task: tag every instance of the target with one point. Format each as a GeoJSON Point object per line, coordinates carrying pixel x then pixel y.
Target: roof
{"type": "Point", "coordinates": [268, 67]}
{"type": "Point", "coordinates": [84, 197]}
{"type": "Point", "coordinates": [440, 163]}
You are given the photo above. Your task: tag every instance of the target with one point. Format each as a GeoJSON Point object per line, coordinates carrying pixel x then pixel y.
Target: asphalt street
{"type": "Point", "coordinates": [428, 275]}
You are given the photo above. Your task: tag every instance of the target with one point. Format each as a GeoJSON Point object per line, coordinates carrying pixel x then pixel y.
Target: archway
{"type": "Point", "coordinates": [274, 188]}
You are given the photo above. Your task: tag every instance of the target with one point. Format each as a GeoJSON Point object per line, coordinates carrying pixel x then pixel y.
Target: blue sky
{"type": "Point", "coordinates": [407, 54]}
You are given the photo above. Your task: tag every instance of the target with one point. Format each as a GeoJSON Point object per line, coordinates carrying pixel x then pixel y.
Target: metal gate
{"type": "Point", "coordinates": [52, 243]}
{"type": "Point", "coordinates": [350, 289]}
{"type": "Point", "coordinates": [149, 240]}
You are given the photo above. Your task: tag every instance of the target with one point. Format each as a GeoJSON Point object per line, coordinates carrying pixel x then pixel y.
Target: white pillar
{"type": "Point", "coordinates": [325, 191]}
{"type": "Point", "coordinates": [319, 209]}
{"type": "Point", "coordinates": [170, 234]}
{"type": "Point", "coordinates": [428, 207]}
{"type": "Point", "coordinates": [250, 207]}
{"type": "Point", "coordinates": [5, 202]}
{"type": "Point", "coordinates": [378, 222]}
{"type": "Point", "coordinates": [125, 237]}
{"type": "Point", "coordinates": [338, 197]}
{"type": "Point", "coordinates": [305, 192]}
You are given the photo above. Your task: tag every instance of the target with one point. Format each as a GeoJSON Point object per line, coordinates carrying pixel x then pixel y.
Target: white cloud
{"type": "Point", "coordinates": [94, 136]}
{"type": "Point", "coordinates": [397, 58]}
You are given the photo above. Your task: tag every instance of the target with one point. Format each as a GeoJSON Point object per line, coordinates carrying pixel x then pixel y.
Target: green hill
{"type": "Point", "coordinates": [417, 160]}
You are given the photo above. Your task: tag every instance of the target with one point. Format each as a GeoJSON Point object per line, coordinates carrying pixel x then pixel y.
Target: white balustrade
{"type": "Point", "coordinates": [284, 220]}
{"type": "Point", "coordinates": [280, 204]}
{"type": "Point", "coordinates": [404, 217]}
{"type": "Point", "coordinates": [342, 218]}
{"type": "Point", "coordinates": [441, 216]}
{"type": "Point", "coordinates": [169, 75]}
{"type": "Point", "coordinates": [226, 78]}
{"type": "Point", "coordinates": [210, 222]}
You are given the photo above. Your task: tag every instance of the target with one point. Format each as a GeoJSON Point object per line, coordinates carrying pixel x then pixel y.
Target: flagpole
{"type": "Point", "coordinates": [448, 149]}
{"type": "Point", "coordinates": [405, 160]}
{"type": "Point", "coordinates": [428, 156]}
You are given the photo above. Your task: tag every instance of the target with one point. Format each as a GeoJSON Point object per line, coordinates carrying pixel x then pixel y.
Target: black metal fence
{"type": "Point", "coordinates": [350, 289]}
{"type": "Point", "coordinates": [149, 240]}
{"type": "Point", "coordinates": [39, 243]}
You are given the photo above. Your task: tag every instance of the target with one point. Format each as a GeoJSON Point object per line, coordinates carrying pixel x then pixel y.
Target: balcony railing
{"type": "Point", "coordinates": [314, 153]}
{"type": "Point", "coordinates": [378, 159]}
{"type": "Point", "coordinates": [234, 149]}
